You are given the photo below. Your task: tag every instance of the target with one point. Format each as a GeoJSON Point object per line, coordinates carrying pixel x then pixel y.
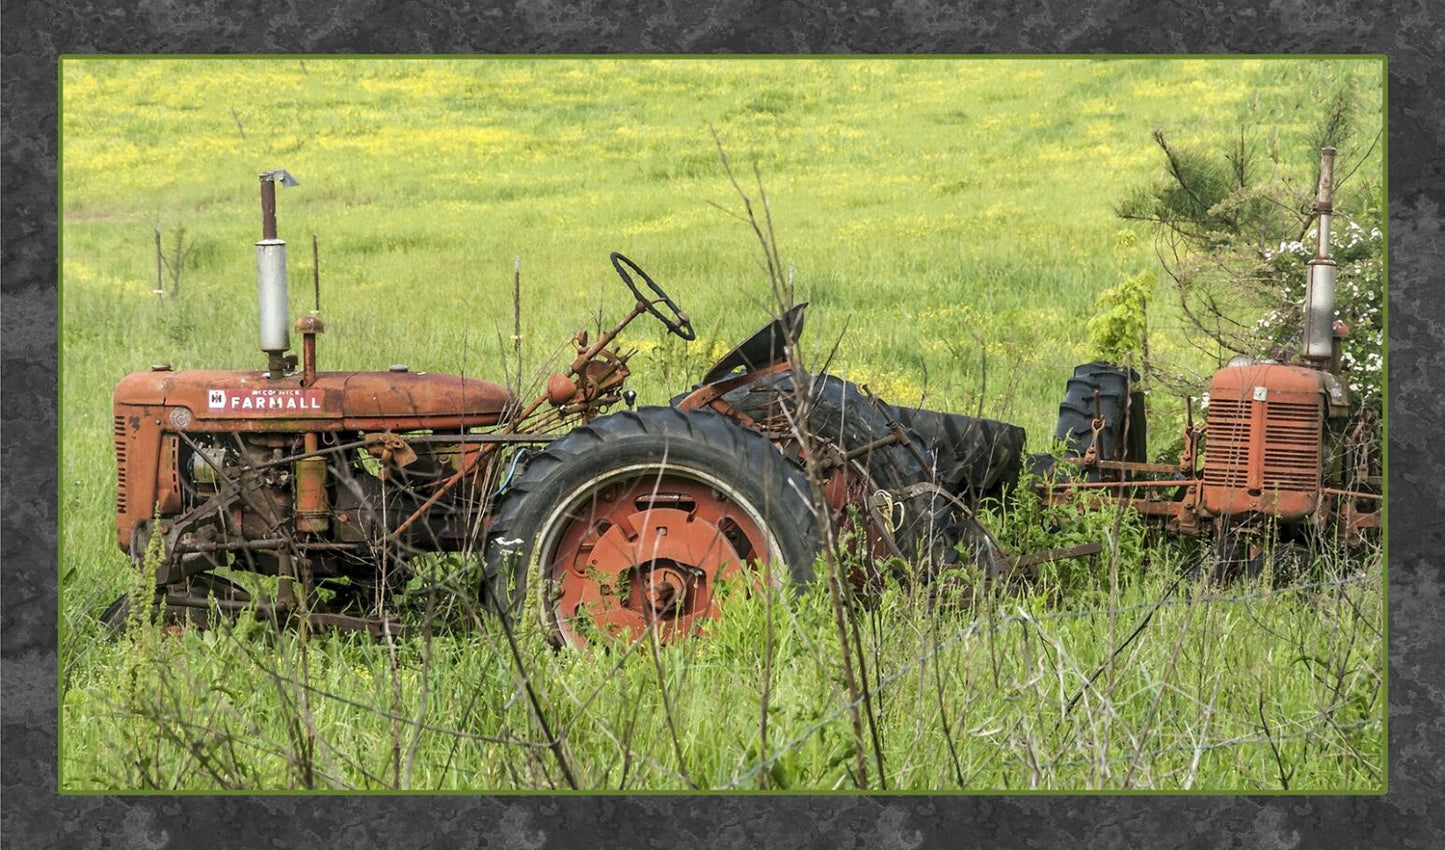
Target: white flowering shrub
{"type": "Point", "coordinates": [1358, 252]}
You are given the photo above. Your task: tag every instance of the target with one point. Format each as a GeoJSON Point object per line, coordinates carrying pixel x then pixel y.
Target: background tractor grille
{"type": "Point", "coordinates": [1226, 455]}
{"type": "Point", "coordinates": [1291, 444]}
{"type": "Point", "coordinates": [120, 466]}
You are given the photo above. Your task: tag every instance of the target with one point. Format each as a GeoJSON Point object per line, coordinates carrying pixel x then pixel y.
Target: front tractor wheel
{"type": "Point", "coordinates": [631, 522]}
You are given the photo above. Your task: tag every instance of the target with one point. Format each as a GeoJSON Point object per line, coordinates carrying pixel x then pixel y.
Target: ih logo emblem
{"type": "Point", "coordinates": [217, 399]}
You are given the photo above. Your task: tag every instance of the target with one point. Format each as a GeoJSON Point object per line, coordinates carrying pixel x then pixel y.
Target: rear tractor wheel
{"type": "Point", "coordinates": [632, 521]}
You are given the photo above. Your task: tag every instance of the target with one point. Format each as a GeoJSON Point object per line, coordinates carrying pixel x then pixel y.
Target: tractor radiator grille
{"type": "Point", "coordinates": [120, 466]}
{"type": "Point", "coordinates": [1291, 445]}
{"type": "Point", "coordinates": [1226, 456]}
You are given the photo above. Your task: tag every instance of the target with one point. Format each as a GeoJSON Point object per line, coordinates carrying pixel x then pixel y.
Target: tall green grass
{"type": "Point", "coordinates": [1243, 688]}
{"type": "Point", "coordinates": [950, 220]}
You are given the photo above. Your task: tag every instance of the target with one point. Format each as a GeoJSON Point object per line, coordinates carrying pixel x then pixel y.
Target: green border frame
{"type": "Point", "coordinates": [1383, 59]}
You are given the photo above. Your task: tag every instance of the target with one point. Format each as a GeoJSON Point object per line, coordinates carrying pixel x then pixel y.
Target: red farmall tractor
{"type": "Point", "coordinates": [335, 484]}
{"type": "Point", "coordinates": [1283, 457]}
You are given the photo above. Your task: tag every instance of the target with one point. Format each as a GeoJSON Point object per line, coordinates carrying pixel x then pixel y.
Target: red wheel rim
{"type": "Point", "coordinates": [646, 547]}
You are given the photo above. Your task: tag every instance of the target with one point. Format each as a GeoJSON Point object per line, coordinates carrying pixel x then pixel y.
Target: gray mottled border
{"type": "Point", "coordinates": [35, 33]}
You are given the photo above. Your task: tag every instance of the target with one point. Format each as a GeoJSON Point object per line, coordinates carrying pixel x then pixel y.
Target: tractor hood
{"type": "Point", "coordinates": [395, 400]}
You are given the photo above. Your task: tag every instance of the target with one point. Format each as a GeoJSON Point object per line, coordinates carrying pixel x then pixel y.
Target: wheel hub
{"type": "Point", "coordinates": [648, 553]}
{"type": "Point", "coordinates": [663, 588]}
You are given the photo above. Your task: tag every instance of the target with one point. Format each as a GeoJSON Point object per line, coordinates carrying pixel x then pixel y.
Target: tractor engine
{"type": "Point", "coordinates": [240, 463]}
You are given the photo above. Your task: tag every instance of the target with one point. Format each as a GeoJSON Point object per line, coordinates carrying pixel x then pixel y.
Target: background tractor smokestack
{"type": "Point", "coordinates": [1320, 291]}
{"type": "Point", "coordinates": [271, 288]}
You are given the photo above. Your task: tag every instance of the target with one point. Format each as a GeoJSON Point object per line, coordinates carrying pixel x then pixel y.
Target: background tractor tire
{"type": "Point", "coordinates": [840, 413]}
{"type": "Point", "coordinates": [978, 458]}
{"type": "Point", "coordinates": [1124, 435]}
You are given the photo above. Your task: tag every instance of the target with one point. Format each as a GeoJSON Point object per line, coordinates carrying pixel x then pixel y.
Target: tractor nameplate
{"type": "Point", "coordinates": [263, 401]}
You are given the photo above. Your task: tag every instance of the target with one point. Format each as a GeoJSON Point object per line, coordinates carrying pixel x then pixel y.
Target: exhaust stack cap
{"type": "Point", "coordinates": [282, 176]}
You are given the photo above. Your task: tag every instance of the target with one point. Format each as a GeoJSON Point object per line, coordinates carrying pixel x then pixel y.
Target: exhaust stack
{"type": "Point", "coordinates": [271, 288]}
{"type": "Point", "coordinates": [1320, 290]}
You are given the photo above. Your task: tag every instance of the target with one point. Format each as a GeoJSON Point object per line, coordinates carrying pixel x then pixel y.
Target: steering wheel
{"type": "Point", "coordinates": [679, 323]}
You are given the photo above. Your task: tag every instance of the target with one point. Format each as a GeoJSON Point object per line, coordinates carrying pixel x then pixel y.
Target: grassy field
{"type": "Point", "coordinates": [950, 220]}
